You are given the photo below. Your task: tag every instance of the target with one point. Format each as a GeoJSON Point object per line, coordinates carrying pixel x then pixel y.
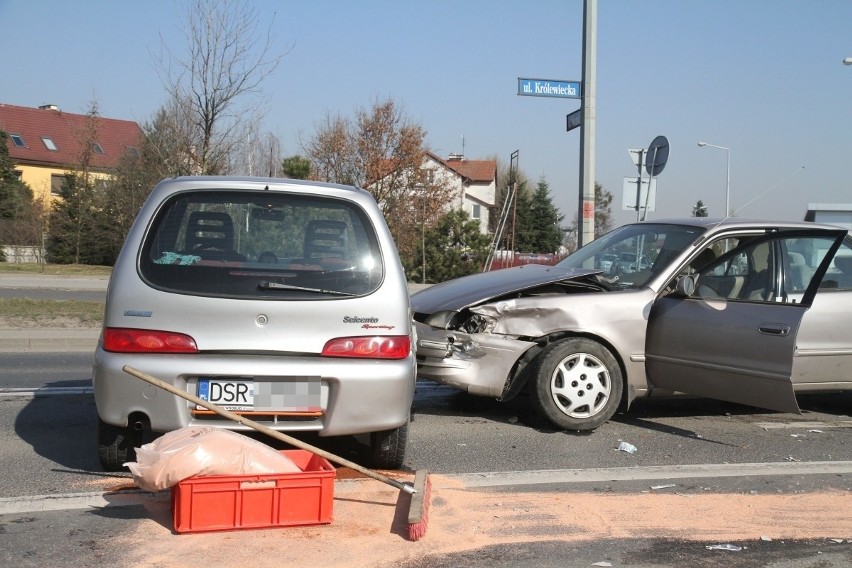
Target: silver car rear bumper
{"type": "Point", "coordinates": [359, 395]}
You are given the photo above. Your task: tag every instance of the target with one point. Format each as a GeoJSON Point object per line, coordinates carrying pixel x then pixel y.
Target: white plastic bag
{"type": "Point", "coordinates": [203, 450]}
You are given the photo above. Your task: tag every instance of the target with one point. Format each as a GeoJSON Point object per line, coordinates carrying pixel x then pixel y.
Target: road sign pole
{"type": "Point", "coordinates": [586, 212]}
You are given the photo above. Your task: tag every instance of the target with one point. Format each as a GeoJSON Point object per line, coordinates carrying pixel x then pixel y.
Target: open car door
{"type": "Point", "coordinates": [733, 338]}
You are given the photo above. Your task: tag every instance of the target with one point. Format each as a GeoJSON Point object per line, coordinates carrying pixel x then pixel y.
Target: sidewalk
{"type": "Point", "coordinates": [16, 340]}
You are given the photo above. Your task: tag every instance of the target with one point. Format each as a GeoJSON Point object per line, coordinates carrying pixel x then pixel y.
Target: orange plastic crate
{"type": "Point", "coordinates": [229, 502]}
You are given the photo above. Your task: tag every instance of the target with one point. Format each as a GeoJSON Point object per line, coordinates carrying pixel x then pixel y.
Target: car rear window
{"type": "Point", "coordinates": [261, 244]}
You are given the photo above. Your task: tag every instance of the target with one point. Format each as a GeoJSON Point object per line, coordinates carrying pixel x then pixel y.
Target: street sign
{"type": "Point", "coordinates": [647, 201]}
{"type": "Point", "coordinates": [657, 155]}
{"type": "Point", "coordinates": [638, 156]}
{"type": "Point", "coordinates": [574, 120]}
{"type": "Point", "coordinates": [549, 88]}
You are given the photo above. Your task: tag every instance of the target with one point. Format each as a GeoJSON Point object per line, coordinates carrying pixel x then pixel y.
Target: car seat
{"type": "Point", "coordinates": [210, 234]}
{"type": "Point", "coordinates": [325, 239]}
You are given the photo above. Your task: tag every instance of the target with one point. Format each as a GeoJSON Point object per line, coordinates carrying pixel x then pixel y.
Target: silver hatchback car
{"type": "Point", "coordinates": [279, 299]}
{"type": "Point", "coordinates": [745, 311]}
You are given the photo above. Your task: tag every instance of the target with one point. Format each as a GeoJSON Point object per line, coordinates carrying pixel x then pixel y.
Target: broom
{"type": "Point", "coordinates": [420, 491]}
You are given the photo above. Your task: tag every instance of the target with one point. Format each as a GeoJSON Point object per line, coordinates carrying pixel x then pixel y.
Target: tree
{"type": "Point", "coordinates": [508, 180]}
{"type": "Point", "coordinates": [603, 216]}
{"type": "Point", "coordinates": [382, 151]}
{"type": "Point", "coordinates": [699, 210]}
{"type": "Point", "coordinates": [226, 62]}
{"type": "Point", "coordinates": [15, 195]}
{"type": "Point", "coordinates": [82, 228]}
{"type": "Point", "coordinates": [538, 230]}
{"type": "Point", "coordinates": [455, 247]}
{"type": "Point", "coordinates": [20, 215]}
{"type": "Point", "coordinates": [296, 167]}
{"type": "Point", "coordinates": [603, 212]}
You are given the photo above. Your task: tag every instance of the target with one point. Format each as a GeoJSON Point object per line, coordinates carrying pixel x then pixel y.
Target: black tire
{"type": "Point", "coordinates": [387, 448]}
{"type": "Point", "coordinates": [576, 384]}
{"type": "Point", "coordinates": [115, 446]}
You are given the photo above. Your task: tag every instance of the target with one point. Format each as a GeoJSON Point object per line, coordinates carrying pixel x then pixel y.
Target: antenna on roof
{"type": "Point", "coordinates": [462, 146]}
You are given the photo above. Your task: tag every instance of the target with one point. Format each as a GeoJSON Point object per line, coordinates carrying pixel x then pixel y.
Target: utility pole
{"type": "Point", "coordinates": [586, 209]}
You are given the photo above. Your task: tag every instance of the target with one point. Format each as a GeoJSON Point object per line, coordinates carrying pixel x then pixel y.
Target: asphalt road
{"type": "Point", "coordinates": [712, 484]}
{"type": "Point", "coordinates": [57, 507]}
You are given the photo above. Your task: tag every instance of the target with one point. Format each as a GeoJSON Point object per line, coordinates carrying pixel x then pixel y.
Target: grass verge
{"type": "Point", "coordinates": [54, 269]}
{"type": "Point", "coordinates": [27, 312]}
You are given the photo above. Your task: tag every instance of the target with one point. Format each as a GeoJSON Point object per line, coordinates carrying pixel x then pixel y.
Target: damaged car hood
{"type": "Point", "coordinates": [467, 291]}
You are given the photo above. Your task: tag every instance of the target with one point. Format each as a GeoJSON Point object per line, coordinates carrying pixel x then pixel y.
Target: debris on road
{"type": "Point", "coordinates": [727, 547]}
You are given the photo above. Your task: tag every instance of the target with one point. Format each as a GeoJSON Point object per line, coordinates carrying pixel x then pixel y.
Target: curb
{"type": "Point", "coordinates": [19, 340]}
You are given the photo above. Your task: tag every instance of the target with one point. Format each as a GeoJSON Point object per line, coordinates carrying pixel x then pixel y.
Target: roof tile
{"type": "Point", "coordinates": [67, 132]}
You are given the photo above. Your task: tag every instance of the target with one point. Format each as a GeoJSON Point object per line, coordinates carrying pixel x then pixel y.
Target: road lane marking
{"type": "Point", "coordinates": [100, 500]}
{"type": "Point", "coordinates": [803, 425]}
{"type": "Point", "coordinates": [67, 501]}
{"type": "Point", "coordinates": [647, 473]}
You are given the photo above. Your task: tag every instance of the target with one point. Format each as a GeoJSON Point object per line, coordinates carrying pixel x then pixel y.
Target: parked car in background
{"type": "Point", "coordinates": [279, 299]}
{"type": "Point", "coordinates": [631, 262]}
{"type": "Point", "coordinates": [745, 311]}
{"type": "Point", "coordinates": [605, 261]}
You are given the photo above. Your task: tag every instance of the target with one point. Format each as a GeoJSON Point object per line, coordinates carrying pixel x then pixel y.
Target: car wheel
{"type": "Point", "coordinates": [115, 446]}
{"type": "Point", "coordinates": [576, 384]}
{"type": "Point", "coordinates": [387, 448]}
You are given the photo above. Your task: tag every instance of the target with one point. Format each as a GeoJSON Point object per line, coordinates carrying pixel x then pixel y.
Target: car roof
{"type": "Point", "coordinates": [250, 182]}
{"type": "Point", "coordinates": [736, 223]}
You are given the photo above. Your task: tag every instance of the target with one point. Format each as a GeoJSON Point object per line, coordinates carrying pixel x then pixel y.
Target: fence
{"type": "Point", "coordinates": [508, 259]}
{"type": "Point", "coordinates": [19, 254]}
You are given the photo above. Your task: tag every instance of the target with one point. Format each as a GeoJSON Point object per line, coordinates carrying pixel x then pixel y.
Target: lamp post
{"type": "Point", "coordinates": [727, 174]}
{"type": "Point", "coordinates": [847, 61]}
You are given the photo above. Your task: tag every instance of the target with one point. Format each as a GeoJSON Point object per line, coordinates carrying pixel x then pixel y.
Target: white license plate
{"type": "Point", "coordinates": [293, 395]}
{"type": "Point", "coordinates": [230, 395]}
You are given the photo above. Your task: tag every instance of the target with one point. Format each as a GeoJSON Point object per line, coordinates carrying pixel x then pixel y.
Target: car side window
{"type": "Point", "coordinates": [839, 273]}
{"type": "Point", "coordinates": [747, 275]}
{"type": "Point", "coordinates": [778, 270]}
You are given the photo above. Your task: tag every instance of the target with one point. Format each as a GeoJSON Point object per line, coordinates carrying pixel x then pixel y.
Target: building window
{"type": "Point", "coordinates": [48, 143]}
{"type": "Point", "coordinates": [56, 181]}
{"type": "Point", "coordinates": [96, 148]}
{"type": "Point", "coordinates": [18, 140]}
{"type": "Point", "coordinates": [476, 211]}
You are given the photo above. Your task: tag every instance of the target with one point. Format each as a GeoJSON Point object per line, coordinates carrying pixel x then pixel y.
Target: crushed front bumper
{"type": "Point", "coordinates": [479, 363]}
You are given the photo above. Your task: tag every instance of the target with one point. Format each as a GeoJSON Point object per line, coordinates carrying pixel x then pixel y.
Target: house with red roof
{"type": "Point", "coordinates": [45, 143]}
{"type": "Point", "coordinates": [474, 184]}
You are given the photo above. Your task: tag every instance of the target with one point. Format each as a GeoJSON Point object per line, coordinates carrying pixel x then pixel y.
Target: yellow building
{"type": "Point", "coordinates": [45, 143]}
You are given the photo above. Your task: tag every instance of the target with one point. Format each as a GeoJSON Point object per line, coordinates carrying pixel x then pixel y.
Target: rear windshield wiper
{"type": "Point", "coordinates": [266, 285]}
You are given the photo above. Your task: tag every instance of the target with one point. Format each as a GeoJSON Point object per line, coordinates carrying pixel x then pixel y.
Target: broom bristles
{"type": "Point", "coordinates": [418, 514]}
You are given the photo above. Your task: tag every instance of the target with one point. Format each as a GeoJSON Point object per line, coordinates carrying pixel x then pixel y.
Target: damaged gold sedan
{"type": "Point", "coordinates": [749, 312]}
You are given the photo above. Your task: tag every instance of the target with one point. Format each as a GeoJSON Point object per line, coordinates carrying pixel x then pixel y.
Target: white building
{"type": "Point", "coordinates": [474, 184]}
{"type": "Point", "coordinates": [839, 214]}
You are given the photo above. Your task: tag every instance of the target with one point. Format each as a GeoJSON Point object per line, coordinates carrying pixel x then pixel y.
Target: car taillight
{"type": "Point", "coordinates": [120, 340]}
{"type": "Point", "coordinates": [374, 347]}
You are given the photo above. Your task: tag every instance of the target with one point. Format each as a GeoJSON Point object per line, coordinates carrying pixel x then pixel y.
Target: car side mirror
{"type": "Point", "coordinates": [685, 286]}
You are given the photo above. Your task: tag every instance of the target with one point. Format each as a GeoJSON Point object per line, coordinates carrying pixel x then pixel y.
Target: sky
{"type": "Point", "coordinates": [763, 78]}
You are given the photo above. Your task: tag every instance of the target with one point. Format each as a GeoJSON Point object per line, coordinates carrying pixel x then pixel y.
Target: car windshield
{"type": "Point", "coordinates": [261, 244]}
{"type": "Point", "coordinates": [633, 254]}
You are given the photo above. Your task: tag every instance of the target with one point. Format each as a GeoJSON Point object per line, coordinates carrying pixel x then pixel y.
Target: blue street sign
{"type": "Point", "coordinates": [549, 88]}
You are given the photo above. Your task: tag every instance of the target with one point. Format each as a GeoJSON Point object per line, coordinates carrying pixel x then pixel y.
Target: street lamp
{"type": "Point", "coordinates": [728, 175]}
{"type": "Point", "coordinates": [847, 61]}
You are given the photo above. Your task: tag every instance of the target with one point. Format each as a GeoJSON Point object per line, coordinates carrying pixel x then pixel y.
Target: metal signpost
{"type": "Point", "coordinates": [584, 117]}
{"type": "Point", "coordinates": [652, 160]}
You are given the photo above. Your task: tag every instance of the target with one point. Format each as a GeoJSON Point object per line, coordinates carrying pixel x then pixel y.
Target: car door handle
{"type": "Point", "coordinates": [779, 329]}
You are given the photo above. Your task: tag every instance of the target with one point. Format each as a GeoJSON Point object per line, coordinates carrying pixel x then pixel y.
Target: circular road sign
{"type": "Point", "coordinates": [657, 155]}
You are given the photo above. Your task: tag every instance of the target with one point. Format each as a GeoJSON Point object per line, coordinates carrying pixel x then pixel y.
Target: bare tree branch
{"type": "Point", "coordinates": [226, 61]}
